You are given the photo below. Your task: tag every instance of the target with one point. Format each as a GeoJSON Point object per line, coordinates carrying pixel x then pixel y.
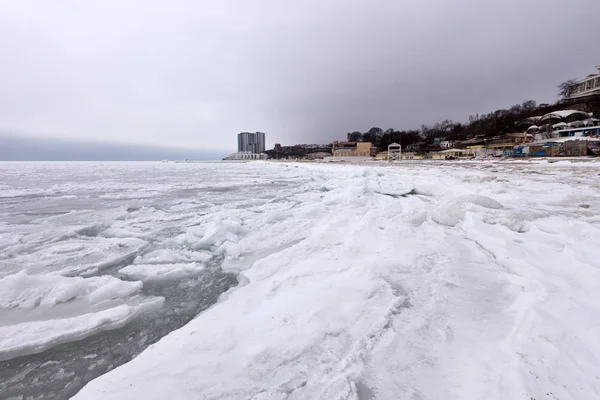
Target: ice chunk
{"type": "Point", "coordinates": [452, 212]}
{"type": "Point", "coordinates": [449, 213]}
{"type": "Point", "coordinates": [154, 272]}
{"type": "Point", "coordinates": [167, 256]}
{"type": "Point", "coordinates": [36, 336]}
{"type": "Point", "coordinates": [480, 200]}
{"type": "Point", "coordinates": [24, 291]}
{"type": "Point", "coordinates": [77, 255]}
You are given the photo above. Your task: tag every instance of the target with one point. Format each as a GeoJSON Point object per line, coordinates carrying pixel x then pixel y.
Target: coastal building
{"type": "Point", "coordinates": [563, 123]}
{"type": "Point", "coordinates": [447, 154]}
{"type": "Point", "coordinates": [592, 131]}
{"type": "Point", "coordinates": [411, 156]}
{"type": "Point", "coordinates": [352, 149]}
{"type": "Point", "coordinates": [494, 146]}
{"type": "Point", "coordinates": [246, 155]}
{"type": "Point", "coordinates": [381, 156]}
{"type": "Point", "coordinates": [589, 85]}
{"type": "Point", "coordinates": [394, 152]}
{"type": "Point", "coordinates": [251, 142]}
{"type": "Point", "coordinates": [578, 146]}
{"type": "Point", "coordinates": [251, 146]}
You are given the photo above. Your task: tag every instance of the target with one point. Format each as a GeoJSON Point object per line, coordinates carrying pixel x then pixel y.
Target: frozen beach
{"type": "Point", "coordinates": [300, 281]}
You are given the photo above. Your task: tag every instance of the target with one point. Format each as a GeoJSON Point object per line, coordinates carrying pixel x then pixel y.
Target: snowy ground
{"type": "Point", "coordinates": [417, 281]}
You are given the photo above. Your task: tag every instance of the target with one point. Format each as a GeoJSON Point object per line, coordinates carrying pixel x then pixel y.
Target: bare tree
{"type": "Point", "coordinates": [567, 88]}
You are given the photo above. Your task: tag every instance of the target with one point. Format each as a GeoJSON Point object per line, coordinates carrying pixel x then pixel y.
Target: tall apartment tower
{"type": "Point", "coordinates": [252, 142]}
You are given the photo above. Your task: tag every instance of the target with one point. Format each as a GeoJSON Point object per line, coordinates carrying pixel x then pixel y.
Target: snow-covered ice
{"type": "Point", "coordinates": [421, 281]}
{"type": "Point", "coordinates": [428, 280]}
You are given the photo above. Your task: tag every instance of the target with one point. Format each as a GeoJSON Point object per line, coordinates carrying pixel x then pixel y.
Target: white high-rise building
{"type": "Point", "coordinates": [251, 142]}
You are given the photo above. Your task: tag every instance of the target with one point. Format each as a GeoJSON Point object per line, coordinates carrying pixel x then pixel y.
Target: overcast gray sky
{"type": "Point", "coordinates": [195, 73]}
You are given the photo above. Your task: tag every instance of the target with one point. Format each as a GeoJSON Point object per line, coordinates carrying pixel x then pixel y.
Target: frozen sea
{"type": "Point", "coordinates": [300, 281]}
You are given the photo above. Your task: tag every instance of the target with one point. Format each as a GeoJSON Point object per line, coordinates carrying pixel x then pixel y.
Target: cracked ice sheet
{"type": "Point", "coordinates": [40, 311]}
{"type": "Point", "coordinates": [353, 293]}
{"type": "Point", "coordinates": [75, 257]}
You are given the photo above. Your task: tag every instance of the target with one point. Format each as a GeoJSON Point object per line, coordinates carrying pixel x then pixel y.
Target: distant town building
{"type": "Point", "coordinates": [394, 152]}
{"type": "Point", "coordinates": [352, 149]}
{"type": "Point", "coordinates": [277, 148]}
{"type": "Point", "coordinates": [251, 142]}
{"type": "Point", "coordinates": [446, 144]}
{"type": "Point", "coordinates": [246, 155]}
{"type": "Point", "coordinates": [588, 85]}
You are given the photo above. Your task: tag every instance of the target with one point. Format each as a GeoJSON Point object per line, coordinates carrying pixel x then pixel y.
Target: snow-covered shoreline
{"type": "Point", "coordinates": [422, 281]}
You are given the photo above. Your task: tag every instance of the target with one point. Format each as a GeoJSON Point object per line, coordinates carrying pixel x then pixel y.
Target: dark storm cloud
{"type": "Point", "coordinates": [195, 73]}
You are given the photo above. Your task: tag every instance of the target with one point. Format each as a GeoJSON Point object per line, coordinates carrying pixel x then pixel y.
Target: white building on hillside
{"type": "Point", "coordinates": [588, 85]}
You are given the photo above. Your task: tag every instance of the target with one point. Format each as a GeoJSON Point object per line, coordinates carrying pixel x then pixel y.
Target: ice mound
{"type": "Point", "coordinates": [452, 212]}
{"type": "Point", "coordinates": [213, 235]}
{"type": "Point", "coordinates": [153, 272]}
{"type": "Point", "coordinates": [480, 200]}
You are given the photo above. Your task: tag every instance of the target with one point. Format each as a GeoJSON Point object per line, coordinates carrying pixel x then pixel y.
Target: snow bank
{"type": "Point", "coordinates": [153, 272]}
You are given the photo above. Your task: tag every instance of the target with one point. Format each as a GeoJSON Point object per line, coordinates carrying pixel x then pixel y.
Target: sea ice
{"type": "Point", "coordinates": [430, 280]}
{"type": "Point", "coordinates": [349, 290]}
